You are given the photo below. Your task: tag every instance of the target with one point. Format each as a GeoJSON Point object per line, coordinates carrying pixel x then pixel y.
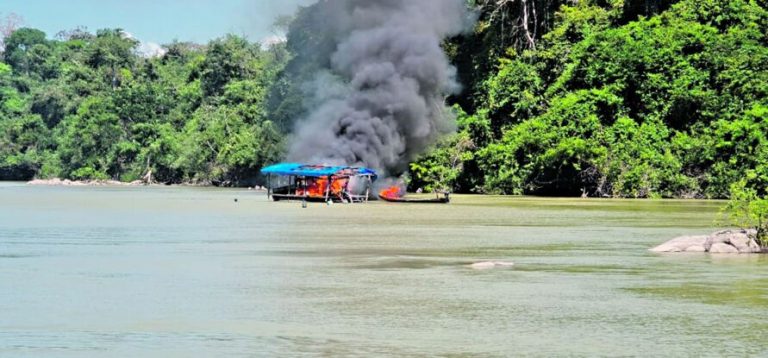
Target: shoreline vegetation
{"type": "Point", "coordinates": [621, 99]}
{"type": "Point", "coordinates": [108, 182]}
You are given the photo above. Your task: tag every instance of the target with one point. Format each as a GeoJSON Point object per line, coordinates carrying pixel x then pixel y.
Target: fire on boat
{"type": "Point", "coordinates": [396, 194]}
{"type": "Point", "coordinates": [307, 182]}
{"type": "Point", "coordinates": [294, 181]}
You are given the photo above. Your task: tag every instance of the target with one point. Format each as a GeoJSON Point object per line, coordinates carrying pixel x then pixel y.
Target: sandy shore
{"type": "Point", "coordinates": [67, 182]}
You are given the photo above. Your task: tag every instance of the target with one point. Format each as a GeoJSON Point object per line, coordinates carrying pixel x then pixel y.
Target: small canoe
{"type": "Point", "coordinates": [444, 200]}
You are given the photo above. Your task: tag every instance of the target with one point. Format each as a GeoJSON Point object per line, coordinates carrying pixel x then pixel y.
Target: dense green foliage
{"type": "Point", "coordinates": [90, 107]}
{"type": "Point", "coordinates": [673, 105]}
{"type": "Point", "coordinates": [747, 209]}
{"type": "Point", "coordinates": [635, 98]}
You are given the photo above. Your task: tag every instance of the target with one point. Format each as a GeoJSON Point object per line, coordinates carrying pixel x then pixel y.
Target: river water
{"type": "Point", "coordinates": [173, 271]}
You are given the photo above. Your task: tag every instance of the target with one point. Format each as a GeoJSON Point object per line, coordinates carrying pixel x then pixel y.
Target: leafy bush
{"type": "Point", "coordinates": [88, 173]}
{"type": "Point", "coordinates": [747, 209]}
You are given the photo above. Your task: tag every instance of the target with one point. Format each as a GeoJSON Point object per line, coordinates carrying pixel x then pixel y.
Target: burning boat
{"type": "Point", "coordinates": [294, 181]}
{"type": "Point", "coordinates": [396, 194]}
{"type": "Point", "coordinates": [306, 182]}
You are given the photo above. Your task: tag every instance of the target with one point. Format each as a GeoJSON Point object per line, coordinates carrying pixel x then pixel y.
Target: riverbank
{"type": "Point", "coordinates": [67, 182]}
{"type": "Point", "coordinates": [94, 182]}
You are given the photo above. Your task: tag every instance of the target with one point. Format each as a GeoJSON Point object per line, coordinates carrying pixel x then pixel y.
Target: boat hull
{"type": "Point", "coordinates": [444, 200]}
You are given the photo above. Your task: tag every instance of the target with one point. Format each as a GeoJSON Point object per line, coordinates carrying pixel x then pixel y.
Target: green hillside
{"type": "Point", "coordinates": [601, 98]}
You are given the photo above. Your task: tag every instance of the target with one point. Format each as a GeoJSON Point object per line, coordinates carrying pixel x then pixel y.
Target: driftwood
{"type": "Point", "coordinates": [147, 178]}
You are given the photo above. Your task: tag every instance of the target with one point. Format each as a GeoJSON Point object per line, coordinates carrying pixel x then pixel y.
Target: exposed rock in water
{"type": "Point", "coordinates": [681, 243]}
{"type": "Point", "coordinates": [740, 243]}
{"type": "Point", "coordinates": [484, 265]}
{"type": "Point", "coordinates": [720, 242]}
{"type": "Point", "coordinates": [723, 248]}
{"type": "Point", "coordinates": [695, 248]}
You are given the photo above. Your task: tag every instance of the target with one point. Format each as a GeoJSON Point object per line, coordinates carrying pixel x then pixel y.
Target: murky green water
{"type": "Point", "coordinates": [189, 272]}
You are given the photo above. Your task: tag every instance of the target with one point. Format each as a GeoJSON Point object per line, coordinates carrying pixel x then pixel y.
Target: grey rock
{"type": "Point", "coordinates": [740, 237]}
{"type": "Point", "coordinates": [723, 241]}
{"type": "Point", "coordinates": [681, 243]}
{"type": "Point", "coordinates": [665, 248]}
{"type": "Point", "coordinates": [714, 239]}
{"type": "Point", "coordinates": [695, 248]}
{"type": "Point", "coordinates": [484, 265]}
{"type": "Point", "coordinates": [722, 248]}
{"type": "Point", "coordinates": [740, 242]}
{"type": "Point", "coordinates": [751, 248]}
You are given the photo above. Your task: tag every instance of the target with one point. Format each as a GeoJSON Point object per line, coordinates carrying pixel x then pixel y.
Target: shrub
{"type": "Point", "coordinates": [748, 210]}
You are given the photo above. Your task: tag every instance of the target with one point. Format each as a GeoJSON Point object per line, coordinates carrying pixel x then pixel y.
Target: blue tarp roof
{"type": "Point", "coordinates": [307, 170]}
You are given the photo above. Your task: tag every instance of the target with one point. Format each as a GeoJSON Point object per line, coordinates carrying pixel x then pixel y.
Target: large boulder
{"type": "Point", "coordinates": [745, 245]}
{"type": "Point", "coordinates": [681, 243]}
{"type": "Point", "coordinates": [741, 242]}
{"type": "Point", "coordinates": [720, 242]}
{"type": "Point", "coordinates": [754, 247]}
{"type": "Point", "coordinates": [722, 248]}
{"type": "Point", "coordinates": [696, 248]}
{"type": "Point", "coordinates": [733, 237]}
{"type": "Point", "coordinates": [720, 237]}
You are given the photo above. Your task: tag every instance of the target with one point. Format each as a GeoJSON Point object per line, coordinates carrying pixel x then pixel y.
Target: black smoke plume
{"type": "Point", "coordinates": [380, 102]}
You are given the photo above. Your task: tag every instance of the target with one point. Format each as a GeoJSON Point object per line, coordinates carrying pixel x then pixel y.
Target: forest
{"type": "Point", "coordinates": [602, 98]}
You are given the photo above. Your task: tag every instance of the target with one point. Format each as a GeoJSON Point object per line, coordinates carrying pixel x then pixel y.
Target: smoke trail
{"type": "Point", "coordinates": [381, 102]}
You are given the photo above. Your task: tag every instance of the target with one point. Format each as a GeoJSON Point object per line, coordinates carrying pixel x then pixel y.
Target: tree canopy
{"type": "Point", "coordinates": [89, 106]}
{"type": "Point", "coordinates": [611, 103]}
{"type": "Point", "coordinates": [634, 98]}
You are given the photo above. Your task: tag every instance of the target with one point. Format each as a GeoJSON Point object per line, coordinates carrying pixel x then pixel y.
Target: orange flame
{"type": "Point", "coordinates": [316, 187]}
{"type": "Point", "coordinates": [393, 192]}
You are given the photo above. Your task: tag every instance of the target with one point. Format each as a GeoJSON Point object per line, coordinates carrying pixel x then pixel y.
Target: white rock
{"type": "Point", "coordinates": [665, 248]}
{"type": "Point", "coordinates": [484, 265]}
{"type": "Point", "coordinates": [681, 243]}
{"type": "Point", "coordinates": [733, 237]}
{"type": "Point", "coordinates": [722, 248]}
{"type": "Point", "coordinates": [695, 248]}
{"type": "Point", "coordinates": [719, 237]}
{"type": "Point", "coordinates": [723, 241]}
{"type": "Point", "coordinates": [741, 243]}
{"type": "Point", "coordinates": [754, 247]}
